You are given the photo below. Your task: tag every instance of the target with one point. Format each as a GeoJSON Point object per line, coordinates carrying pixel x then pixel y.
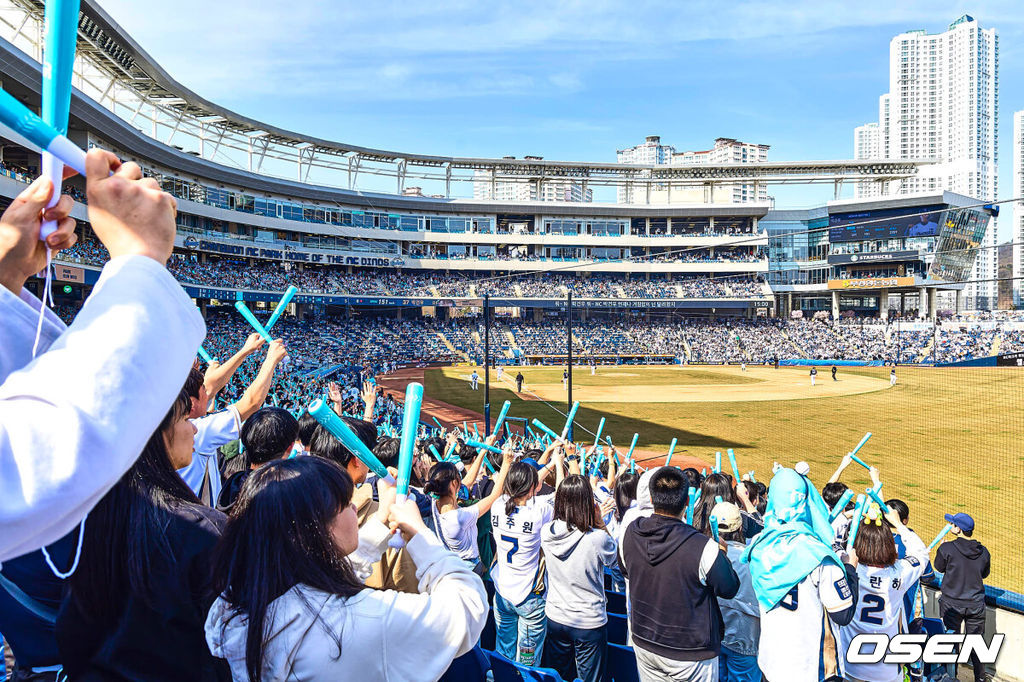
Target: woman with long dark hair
{"type": "Point", "coordinates": [518, 572]}
{"type": "Point", "coordinates": [137, 602]}
{"type": "Point", "coordinates": [457, 526]}
{"type": "Point", "coordinates": [292, 606]}
{"type": "Point", "coordinates": [721, 485]}
{"type": "Point", "coordinates": [577, 547]}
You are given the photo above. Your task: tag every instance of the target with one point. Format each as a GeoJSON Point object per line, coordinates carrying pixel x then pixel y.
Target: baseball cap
{"type": "Point", "coordinates": [962, 521]}
{"type": "Point", "coordinates": [532, 462]}
{"type": "Point", "coordinates": [728, 515]}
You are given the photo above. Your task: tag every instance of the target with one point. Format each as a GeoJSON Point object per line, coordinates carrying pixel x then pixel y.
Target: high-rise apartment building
{"type": "Point", "coordinates": [943, 104]}
{"type": "Point", "coordinates": [1017, 234]}
{"type": "Point", "coordinates": [529, 188]}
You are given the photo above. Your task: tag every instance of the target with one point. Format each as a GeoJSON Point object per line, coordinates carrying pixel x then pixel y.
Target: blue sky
{"type": "Point", "coordinates": [562, 80]}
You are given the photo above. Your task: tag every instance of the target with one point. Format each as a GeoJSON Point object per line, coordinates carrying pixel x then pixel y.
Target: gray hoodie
{"type": "Point", "coordinates": [575, 564]}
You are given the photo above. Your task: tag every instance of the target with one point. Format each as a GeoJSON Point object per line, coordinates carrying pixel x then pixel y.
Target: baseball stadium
{"type": "Point", "coordinates": [784, 336]}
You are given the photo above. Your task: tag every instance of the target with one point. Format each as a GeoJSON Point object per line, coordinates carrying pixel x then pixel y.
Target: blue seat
{"type": "Point", "coordinates": [930, 627]}
{"type": "Point", "coordinates": [616, 602]}
{"type": "Point", "coordinates": [618, 627]}
{"type": "Point", "coordinates": [622, 664]}
{"type": "Point", "coordinates": [509, 671]}
{"type": "Point", "coordinates": [469, 667]}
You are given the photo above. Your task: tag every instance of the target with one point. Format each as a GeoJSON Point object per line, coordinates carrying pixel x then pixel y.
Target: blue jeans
{"type": "Point", "coordinates": [575, 652]}
{"type": "Point", "coordinates": [520, 628]}
{"type": "Point", "coordinates": [734, 667]}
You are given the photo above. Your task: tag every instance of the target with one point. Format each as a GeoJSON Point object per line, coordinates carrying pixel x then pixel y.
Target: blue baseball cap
{"type": "Point", "coordinates": [962, 521]}
{"type": "Point", "coordinates": [532, 462]}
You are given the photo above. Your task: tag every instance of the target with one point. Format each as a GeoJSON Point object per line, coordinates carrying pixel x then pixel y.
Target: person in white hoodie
{"type": "Point", "coordinates": [577, 548]}
{"type": "Point", "coordinates": [293, 605]}
{"type": "Point", "coordinates": [77, 409]}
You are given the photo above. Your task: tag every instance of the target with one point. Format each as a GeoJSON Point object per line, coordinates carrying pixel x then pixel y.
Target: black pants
{"type": "Point", "coordinates": [973, 618]}
{"type": "Point", "coordinates": [575, 652]}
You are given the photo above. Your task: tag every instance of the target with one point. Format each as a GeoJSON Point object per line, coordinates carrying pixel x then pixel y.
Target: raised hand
{"type": "Point", "coordinates": [21, 253]}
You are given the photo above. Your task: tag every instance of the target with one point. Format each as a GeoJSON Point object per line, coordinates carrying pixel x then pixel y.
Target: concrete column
{"type": "Point", "coordinates": [922, 302]}
{"type": "Point", "coordinates": [789, 304]}
{"type": "Point", "coordinates": [903, 303]}
{"type": "Point", "coordinates": [883, 304]}
{"type": "Point", "coordinates": [933, 304]}
{"type": "Point", "coordinates": [835, 305]}
{"type": "Point", "coordinates": [959, 299]}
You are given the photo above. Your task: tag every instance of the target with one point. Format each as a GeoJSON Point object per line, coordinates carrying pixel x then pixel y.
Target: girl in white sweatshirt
{"type": "Point", "coordinates": [289, 563]}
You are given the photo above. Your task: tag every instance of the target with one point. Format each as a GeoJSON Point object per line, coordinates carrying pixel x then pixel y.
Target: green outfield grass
{"type": "Point", "coordinates": [945, 440]}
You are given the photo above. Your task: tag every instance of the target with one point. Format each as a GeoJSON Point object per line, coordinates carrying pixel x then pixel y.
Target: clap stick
{"type": "Point", "coordinates": [343, 432]}
{"type": "Point", "coordinates": [465, 429]}
{"type": "Point", "coordinates": [540, 425]}
{"type": "Point", "coordinates": [61, 17]}
{"type": "Point", "coordinates": [853, 453]}
{"type": "Point", "coordinates": [17, 116]}
{"type": "Point", "coordinates": [841, 505]}
{"type": "Point", "coordinates": [484, 446]}
{"type": "Point", "coordinates": [406, 449]}
{"type": "Point", "coordinates": [713, 523]}
{"type": "Point", "coordinates": [568, 420]}
{"type": "Point", "coordinates": [873, 494]}
{"type": "Point", "coordinates": [691, 494]}
{"type": "Point", "coordinates": [434, 452]}
{"type": "Point", "coordinates": [751, 474]}
{"type": "Point", "coordinates": [938, 538]}
{"type": "Point", "coordinates": [671, 449]}
{"type": "Point", "coordinates": [204, 355]}
{"type": "Point", "coordinates": [732, 463]}
{"type": "Point", "coordinates": [597, 436]}
{"type": "Point", "coordinates": [501, 416]}
{"type": "Point", "coordinates": [858, 517]}
{"type": "Point", "coordinates": [251, 319]}
{"type": "Point", "coordinates": [629, 455]}
{"type": "Point", "coordinates": [279, 310]}
{"type": "Point", "coordinates": [608, 439]}
{"type": "Point", "coordinates": [718, 462]}
{"type": "Point", "coordinates": [438, 423]}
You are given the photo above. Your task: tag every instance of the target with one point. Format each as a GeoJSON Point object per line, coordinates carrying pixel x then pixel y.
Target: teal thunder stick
{"type": "Point", "coordinates": [279, 310]}
{"type": "Point", "coordinates": [569, 419]}
{"type": "Point", "coordinates": [841, 505]}
{"type": "Point", "coordinates": [858, 518]}
{"type": "Point", "coordinates": [632, 446]}
{"type": "Point", "coordinates": [434, 452]}
{"type": "Point", "coordinates": [438, 423]}
{"type": "Point", "coordinates": [340, 430]}
{"type": "Point", "coordinates": [484, 446]}
{"type": "Point", "coordinates": [17, 116]}
{"type": "Point", "coordinates": [540, 425]}
{"type": "Point", "coordinates": [407, 447]}
{"type": "Point", "coordinates": [873, 494]}
{"type": "Point", "coordinates": [61, 37]}
{"type": "Point", "coordinates": [938, 538]}
{"type": "Point", "coordinates": [241, 307]}
{"type": "Point", "coordinates": [608, 439]}
{"type": "Point", "coordinates": [718, 462]}
{"type": "Point", "coordinates": [204, 355]}
{"type": "Point", "coordinates": [751, 474]}
{"type": "Point", "coordinates": [853, 453]}
{"type": "Point", "coordinates": [671, 449]}
{"type": "Point", "coordinates": [501, 417]}
{"type": "Point", "coordinates": [691, 494]}
{"type": "Point", "coordinates": [732, 463]}
{"type": "Point", "coordinates": [600, 428]}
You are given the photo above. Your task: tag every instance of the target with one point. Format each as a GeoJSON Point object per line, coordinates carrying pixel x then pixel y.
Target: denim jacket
{"type": "Point", "coordinates": [741, 614]}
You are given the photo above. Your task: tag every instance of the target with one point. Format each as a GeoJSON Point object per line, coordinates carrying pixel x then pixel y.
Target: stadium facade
{"type": "Point", "coordinates": [238, 208]}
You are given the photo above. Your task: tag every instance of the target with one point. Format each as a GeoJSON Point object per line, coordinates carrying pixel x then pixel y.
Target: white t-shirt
{"type": "Point", "coordinates": [880, 608]}
{"type": "Point", "coordinates": [790, 645]}
{"type": "Point", "coordinates": [458, 532]}
{"type": "Point", "coordinates": [517, 545]}
{"type": "Point", "coordinates": [212, 431]}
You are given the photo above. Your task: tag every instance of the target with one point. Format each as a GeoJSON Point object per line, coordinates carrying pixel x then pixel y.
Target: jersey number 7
{"type": "Point", "coordinates": [515, 546]}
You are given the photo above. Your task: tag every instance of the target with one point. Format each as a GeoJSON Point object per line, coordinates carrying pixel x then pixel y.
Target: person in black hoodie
{"type": "Point", "coordinates": [266, 436]}
{"type": "Point", "coordinates": [136, 605]}
{"type": "Point", "coordinates": [965, 564]}
{"type": "Point", "coordinates": [674, 620]}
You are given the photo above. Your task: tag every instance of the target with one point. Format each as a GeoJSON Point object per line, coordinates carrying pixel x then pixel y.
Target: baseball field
{"type": "Point", "coordinates": [944, 439]}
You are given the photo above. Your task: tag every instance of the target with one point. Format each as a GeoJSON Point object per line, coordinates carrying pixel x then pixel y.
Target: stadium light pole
{"type": "Point", "coordinates": [487, 364]}
{"type": "Point", "coordinates": [569, 342]}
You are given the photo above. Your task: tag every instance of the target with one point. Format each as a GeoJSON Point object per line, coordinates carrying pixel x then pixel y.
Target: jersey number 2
{"type": "Point", "coordinates": [515, 546]}
{"type": "Point", "coordinates": [872, 604]}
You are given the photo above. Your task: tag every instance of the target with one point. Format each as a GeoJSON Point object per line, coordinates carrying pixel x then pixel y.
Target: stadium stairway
{"type": "Point", "coordinates": [679, 291]}
{"type": "Point", "coordinates": [686, 347]}
{"type": "Point", "coordinates": [793, 343]}
{"type": "Point", "coordinates": [926, 353]}
{"type": "Point", "coordinates": [450, 347]}
{"type": "Point", "coordinates": [476, 338]}
{"type": "Point", "coordinates": [518, 289]}
{"type": "Point", "coordinates": [996, 343]}
{"type": "Point", "coordinates": [434, 291]}
{"type": "Point", "coordinates": [507, 331]}
{"type": "Point", "coordinates": [619, 291]}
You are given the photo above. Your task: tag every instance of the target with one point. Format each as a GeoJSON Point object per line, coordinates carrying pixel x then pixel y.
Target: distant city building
{"type": "Point", "coordinates": [943, 104]}
{"type": "Point", "coordinates": [500, 187]}
{"type": "Point", "coordinates": [1017, 234]}
{"type": "Point", "coordinates": [1005, 289]}
{"type": "Point", "coordinates": [726, 150]}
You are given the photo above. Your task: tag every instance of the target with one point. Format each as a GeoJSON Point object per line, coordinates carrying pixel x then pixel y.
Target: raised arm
{"type": "Point", "coordinates": [369, 399]}
{"type": "Point", "coordinates": [484, 505]}
{"type": "Point", "coordinates": [74, 419]}
{"type": "Point", "coordinates": [842, 466]}
{"type": "Point", "coordinates": [473, 473]}
{"type": "Point", "coordinates": [256, 394]}
{"type": "Point", "coordinates": [218, 375]}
